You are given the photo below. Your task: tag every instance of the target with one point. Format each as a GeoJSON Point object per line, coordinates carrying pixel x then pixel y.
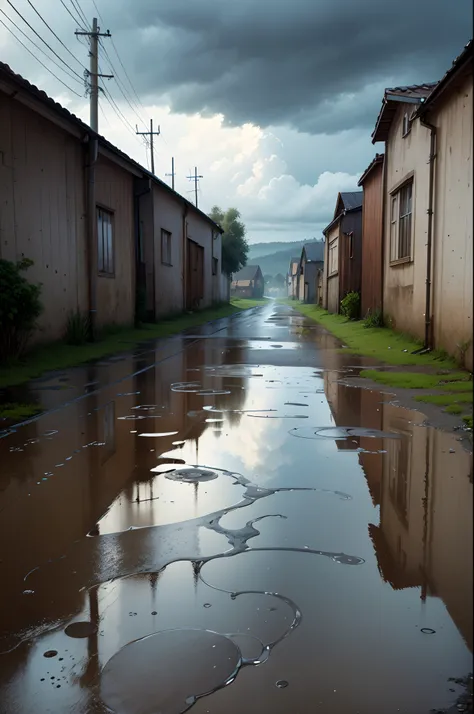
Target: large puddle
{"type": "Point", "coordinates": [232, 529]}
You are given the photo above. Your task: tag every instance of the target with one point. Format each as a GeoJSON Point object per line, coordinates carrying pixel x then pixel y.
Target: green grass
{"type": "Point", "coordinates": [468, 420]}
{"type": "Point", "coordinates": [454, 409]}
{"type": "Point", "coordinates": [381, 343]}
{"type": "Point", "coordinates": [419, 380]}
{"type": "Point", "coordinates": [59, 355]}
{"type": "Point", "coordinates": [443, 400]}
{"type": "Point", "coordinates": [16, 411]}
{"type": "Point", "coordinates": [246, 303]}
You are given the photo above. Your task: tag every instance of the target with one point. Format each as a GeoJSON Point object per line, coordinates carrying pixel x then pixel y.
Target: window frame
{"type": "Point", "coordinates": [108, 269]}
{"type": "Point", "coordinates": [167, 235]}
{"type": "Point", "coordinates": [333, 246]}
{"type": "Point", "coordinates": [351, 244]}
{"type": "Point", "coordinates": [215, 265]}
{"type": "Point", "coordinates": [406, 125]}
{"type": "Point", "coordinates": [401, 238]}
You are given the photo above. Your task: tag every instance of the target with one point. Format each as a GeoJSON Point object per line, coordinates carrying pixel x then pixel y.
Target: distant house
{"type": "Point", "coordinates": [293, 273]}
{"type": "Point", "coordinates": [343, 250]}
{"type": "Point", "coordinates": [310, 268]}
{"type": "Point", "coordinates": [248, 282]}
{"type": "Point", "coordinates": [428, 208]}
{"type": "Point", "coordinates": [372, 231]}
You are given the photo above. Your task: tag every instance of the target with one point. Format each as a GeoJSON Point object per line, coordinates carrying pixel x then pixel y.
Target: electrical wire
{"type": "Point", "coordinates": [38, 60]}
{"type": "Point", "coordinates": [44, 41]}
{"type": "Point", "coordinates": [78, 22]}
{"type": "Point", "coordinates": [77, 7]}
{"type": "Point", "coordinates": [139, 102]}
{"type": "Point", "coordinates": [53, 32]}
{"type": "Point", "coordinates": [121, 87]}
{"type": "Point", "coordinates": [40, 49]}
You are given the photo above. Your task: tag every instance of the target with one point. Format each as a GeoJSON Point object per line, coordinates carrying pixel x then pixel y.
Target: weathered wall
{"type": "Point", "coordinates": [404, 281]}
{"type": "Point", "coordinates": [116, 294]}
{"type": "Point", "coordinates": [452, 221]}
{"type": "Point", "coordinates": [350, 266]}
{"type": "Point", "coordinates": [168, 215]}
{"type": "Point", "coordinates": [311, 271]}
{"type": "Point", "coordinates": [42, 207]}
{"type": "Point", "coordinates": [331, 279]}
{"type": "Point", "coordinates": [201, 232]}
{"type": "Point", "coordinates": [371, 272]}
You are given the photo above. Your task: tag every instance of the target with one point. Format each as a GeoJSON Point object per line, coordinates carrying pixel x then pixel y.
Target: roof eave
{"type": "Point", "coordinates": [445, 84]}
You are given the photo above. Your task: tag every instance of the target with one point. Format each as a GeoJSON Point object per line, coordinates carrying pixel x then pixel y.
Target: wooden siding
{"type": "Point", "coordinates": [371, 296]}
{"type": "Point", "coordinates": [116, 294]}
{"type": "Point", "coordinates": [42, 211]}
{"type": "Point", "coordinates": [350, 254]}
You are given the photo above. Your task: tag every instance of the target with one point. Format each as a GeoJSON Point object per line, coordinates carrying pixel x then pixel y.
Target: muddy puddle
{"type": "Point", "coordinates": [225, 531]}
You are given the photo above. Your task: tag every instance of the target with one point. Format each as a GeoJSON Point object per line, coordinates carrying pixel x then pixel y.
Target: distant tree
{"type": "Point", "coordinates": [279, 280]}
{"type": "Point", "coordinates": [268, 280]}
{"type": "Point", "coordinates": [234, 243]}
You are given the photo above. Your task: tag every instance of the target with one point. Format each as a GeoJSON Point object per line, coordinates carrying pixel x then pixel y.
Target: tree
{"type": "Point", "coordinates": [234, 243]}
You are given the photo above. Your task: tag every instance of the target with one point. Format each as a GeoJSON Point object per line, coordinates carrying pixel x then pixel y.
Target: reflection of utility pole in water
{"type": "Point", "coordinates": [424, 584]}
{"type": "Point", "coordinates": [92, 670]}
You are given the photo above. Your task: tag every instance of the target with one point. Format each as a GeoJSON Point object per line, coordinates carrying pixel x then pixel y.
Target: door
{"type": "Point", "coordinates": [195, 275]}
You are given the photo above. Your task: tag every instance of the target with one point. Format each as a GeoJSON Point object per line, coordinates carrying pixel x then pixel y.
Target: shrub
{"type": "Point", "coordinates": [374, 319]}
{"type": "Point", "coordinates": [77, 328]}
{"type": "Point", "coordinates": [20, 308]}
{"type": "Point", "coordinates": [350, 306]}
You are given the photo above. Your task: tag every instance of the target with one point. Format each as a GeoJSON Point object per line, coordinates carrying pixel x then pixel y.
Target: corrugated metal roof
{"type": "Point", "coordinates": [378, 159]}
{"type": "Point", "coordinates": [413, 94]}
{"type": "Point", "coordinates": [351, 199]}
{"type": "Point", "coordinates": [459, 64]}
{"type": "Point", "coordinates": [44, 98]}
{"type": "Point", "coordinates": [249, 272]}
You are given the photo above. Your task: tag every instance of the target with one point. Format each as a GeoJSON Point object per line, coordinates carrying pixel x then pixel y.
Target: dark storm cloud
{"type": "Point", "coordinates": [316, 65]}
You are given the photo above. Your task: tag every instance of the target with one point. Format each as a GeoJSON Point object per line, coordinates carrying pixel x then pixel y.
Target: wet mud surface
{"type": "Point", "coordinates": [221, 524]}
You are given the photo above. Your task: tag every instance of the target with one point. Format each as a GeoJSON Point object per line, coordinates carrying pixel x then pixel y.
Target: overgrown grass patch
{"type": "Point", "coordinates": [419, 380]}
{"type": "Point", "coordinates": [247, 303]}
{"type": "Point", "coordinates": [444, 400]}
{"type": "Point", "coordinates": [381, 343]}
{"type": "Point", "coordinates": [467, 419]}
{"type": "Point", "coordinates": [114, 339]}
{"type": "Point", "coordinates": [454, 409]}
{"type": "Point", "coordinates": [15, 411]}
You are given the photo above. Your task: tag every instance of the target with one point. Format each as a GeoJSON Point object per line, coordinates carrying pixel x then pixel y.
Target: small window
{"type": "Point", "coordinates": [351, 244]}
{"type": "Point", "coordinates": [401, 212]}
{"type": "Point", "coordinates": [165, 247]}
{"type": "Point", "coordinates": [105, 242]}
{"type": "Point", "coordinates": [406, 125]}
{"type": "Point", "coordinates": [215, 266]}
{"type": "Point", "coordinates": [333, 257]}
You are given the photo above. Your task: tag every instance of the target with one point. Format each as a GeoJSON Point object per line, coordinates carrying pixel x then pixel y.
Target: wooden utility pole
{"type": "Point", "coordinates": [94, 74]}
{"type": "Point", "coordinates": [151, 134]}
{"type": "Point", "coordinates": [172, 174]}
{"type": "Point", "coordinates": [195, 177]}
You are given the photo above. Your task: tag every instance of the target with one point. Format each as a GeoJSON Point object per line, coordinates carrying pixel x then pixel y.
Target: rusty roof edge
{"type": "Point", "coordinates": [41, 96]}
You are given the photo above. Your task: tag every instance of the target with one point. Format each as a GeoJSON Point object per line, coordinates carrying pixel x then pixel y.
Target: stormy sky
{"type": "Point", "coordinates": [274, 101]}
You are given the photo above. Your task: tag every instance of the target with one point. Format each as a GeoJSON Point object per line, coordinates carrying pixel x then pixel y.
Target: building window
{"type": "Point", "coordinates": [165, 247]}
{"type": "Point", "coordinates": [401, 212]}
{"type": "Point", "coordinates": [333, 257]}
{"type": "Point", "coordinates": [406, 124]}
{"type": "Point", "coordinates": [105, 242]}
{"type": "Point", "coordinates": [215, 266]}
{"type": "Point", "coordinates": [351, 244]}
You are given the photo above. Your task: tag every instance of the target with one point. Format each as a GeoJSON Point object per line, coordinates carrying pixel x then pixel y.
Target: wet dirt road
{"type": "Point", "coordinates": [218, 523]}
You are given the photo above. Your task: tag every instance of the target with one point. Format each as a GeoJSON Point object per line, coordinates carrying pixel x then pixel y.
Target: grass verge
{"type": "Point", "coordinates": [381, 343]}
{"type": "Point", "coordinates": [59, 355]}
{"type": "Point", "coordinates": [443, 400]}
{"type": "Point", "coordinates": [468, 420]}
{"type": "Point", "coordinates": [453, 382]}
{"type": "Point", "coordinates": [15, 411]}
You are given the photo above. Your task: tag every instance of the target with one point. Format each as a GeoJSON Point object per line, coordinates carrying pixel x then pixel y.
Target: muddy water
{"type": "Point", "coordinates": [218, 523]}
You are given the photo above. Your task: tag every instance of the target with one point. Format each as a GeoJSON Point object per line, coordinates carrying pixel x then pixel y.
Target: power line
{"type": "Point", "coordinates": [79, 81]}
{"type": "Point", "coordinates": [53, 32]}
{"type": "Point", "coordinates": [77, 7]}
{"type": "Point", "coordinates": [78, 22]}
{"type": "Point", "coordinates": [38, 60]}
{"type": "Point", "coordinates": [121, 64]}
{"type": "Point", "coordinates": [122, 89]}
{"type": "Point", "coordinates": [43, 41]}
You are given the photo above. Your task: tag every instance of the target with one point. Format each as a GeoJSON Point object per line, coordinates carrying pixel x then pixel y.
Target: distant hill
{"type": "Point", "coordinates": [274, 258]}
